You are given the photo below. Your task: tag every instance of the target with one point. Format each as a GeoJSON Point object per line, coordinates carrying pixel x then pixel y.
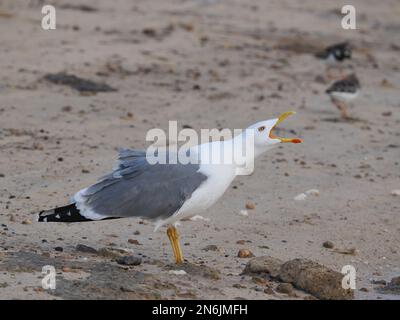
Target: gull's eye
{"type": "Point", "coordinates": [261, 129]}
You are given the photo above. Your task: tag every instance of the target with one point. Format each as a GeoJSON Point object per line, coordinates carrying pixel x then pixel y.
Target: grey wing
{"type": "Point", "coordinates": [137, 188]}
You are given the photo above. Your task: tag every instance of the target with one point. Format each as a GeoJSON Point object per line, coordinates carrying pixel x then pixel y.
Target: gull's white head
{"type": "Point", "coordinates": [263, 132]}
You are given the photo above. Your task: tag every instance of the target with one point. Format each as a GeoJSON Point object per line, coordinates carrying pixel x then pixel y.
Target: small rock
{"type": "Point", "coordinates": [300, 197]}
{"type": "Point", "coordinates": [351, 251]}
{"type": "Point", "coordinates": [328, 245]}
{"type": "Point", "coordinates": [66, 108]}
{"type": "Point", "coordinates": [243, 213]}
{"type": "Point", "coordinates": [250, 206]}
{"type": "Point", "coordinates": [364, 289]}
{"type": "Point", "coordinates": [27, 221]}
{"type": "Point", "coordinates": [111, 253]}
{"type": "Point", "coordinates": [59, 249]}
{"type": "Point", "coordinates": [320, 79]}
{"type": "Point", "coordinates": [211, 247]}
{"type": "Point", "coordinates": [129, 260]}
{"type": "Point", "coordinates": [265, 264]}
{"type": "Point", "coordinates": [199, 218]}
{"type": "Point", "coordinates": [380, 282]}
{"type": "Point", "coordinates": [245, 253]}
{"type": "Point", "coordinates": [241, 241]}
{"type": "Point", "coordinates": [313, 192]}
{"type": "Point", "coordinates": [66, 269]}
{"type": "Point", "coordinates": [177, 272]}
{"type": "Point", "coordinates": [134, 241]}
{"type": "Point", "coordinates": [286, 288]}
{"type": "Point", "coordinates": [386, 84]}
{"type": "Point", "coordinates": [395, 193]}
{"type": "Point", "coordinates": [86, 249]}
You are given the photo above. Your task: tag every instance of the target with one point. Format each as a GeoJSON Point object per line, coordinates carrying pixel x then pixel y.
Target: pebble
{"type": "Point", "coordinates": [211, 247]}
{"type": "Point", "coordinates": [177, 272]}
{"type": "Point", "coordinates": [380, 282]}
{"type": "Point", "coordinates": [59, 249]}
{"type": "Point", "coordinates": [66, 109]}
{"type": "Point", "coordinates": [198, 218]}
{"type": "Point", "coordinates": [243, 213]}
{"type": "Point", "coordinates": [300, 197]}
{"type": "Point", "coordinates": [26, 221]}
{"type": "Point", "coordinates": [328, 245]}
{"type": "Point", "coordinates": [129, 260]}
{"type": "Point", "coordinates": [112, 253]}
{"type": "Point", "coordinates": [86, 249]}
{"type": "Point", "coordinates": [245, 253]}
{"type": "Point", "coordinates": [395, 193]}
{"type": "Point", "coordinates": [134, 241]}
{"type": "Point", "coordinates": [350, 251]}
{"type": "Point", "coordinates": [250, 206]}
{"type": "Point", "coordinates": [313, 192]}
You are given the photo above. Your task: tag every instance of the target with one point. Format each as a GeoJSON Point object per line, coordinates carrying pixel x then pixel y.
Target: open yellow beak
{"type": "Point", "coordinates": [280, 119]}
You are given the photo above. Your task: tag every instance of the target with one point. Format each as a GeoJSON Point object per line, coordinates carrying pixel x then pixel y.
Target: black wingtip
{"type": "Point", "coordinates": [69, 213]}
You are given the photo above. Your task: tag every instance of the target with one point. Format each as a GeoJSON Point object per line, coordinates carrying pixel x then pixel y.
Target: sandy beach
{"type": "Point", "coordinates": [205, 64]}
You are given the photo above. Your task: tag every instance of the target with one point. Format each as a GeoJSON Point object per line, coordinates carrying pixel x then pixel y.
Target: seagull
{"type": "Point", "coordinates": [335, 55]}
{"type": "Point", "coordinates": [344, 91]}
{"type": "Point", "coordinates": [164, 193]}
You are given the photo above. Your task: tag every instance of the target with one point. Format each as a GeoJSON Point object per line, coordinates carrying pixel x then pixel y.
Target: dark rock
{"type": "Point", "coordinates": [59, 249]}
{"type": "Point", "coordinates": [134, 241]}
{"type": "Point", "coordinates": [80, 7]}
{"type": "Point", "coordinates": [86, 249]}
{"type": "Point", "coordinates": [328, 245]}
{"type": "Point", "coordinates": [80, 84]}
{"type": "Point", "coordinates": [129, 261]}
{"type": "Point", "coordinates": [380, 282]}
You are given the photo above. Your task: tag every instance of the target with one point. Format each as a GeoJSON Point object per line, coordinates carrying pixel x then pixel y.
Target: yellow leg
{"type": "Point", "coordinates": [173, 236]}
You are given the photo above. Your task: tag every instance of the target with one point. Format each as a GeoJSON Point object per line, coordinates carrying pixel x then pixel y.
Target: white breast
{"type": "Point", "coordinates": [219, 177]}
{"type": "Point", "coordinates": [344, 96]}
